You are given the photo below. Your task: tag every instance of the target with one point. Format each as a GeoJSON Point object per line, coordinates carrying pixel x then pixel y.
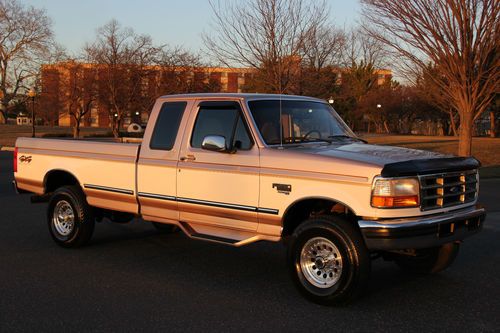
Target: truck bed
{"type": "Point", "coordinates": [106, 171]}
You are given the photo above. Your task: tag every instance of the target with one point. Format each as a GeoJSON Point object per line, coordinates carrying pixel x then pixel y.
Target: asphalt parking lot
{"type": "Point", "coordinates": [132, 278]}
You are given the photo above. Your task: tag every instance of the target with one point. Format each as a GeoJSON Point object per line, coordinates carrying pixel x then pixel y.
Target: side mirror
{"type": "Point", "coordinates": [214, 143]}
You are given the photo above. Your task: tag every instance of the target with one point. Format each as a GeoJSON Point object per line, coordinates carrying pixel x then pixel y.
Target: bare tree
{"type": "Point", "coordinates": [79, 91]}
{"type": "Point", "coordinates": [25, 39]}
{"type": "Point", "coordinates": [124, 61]}
{"type": "Point", "coordinates": [180, 71]}
{"type": "Point", "coordinates": [460, 37]}
{"type": "Point", "coordinates": [268, 35]}
{"type": "Point", "coordinates": [433, 94]}
{"type": "Point", "coordinates": [361, 48]}
{"type": "Point", "coordinates": [321, 58]}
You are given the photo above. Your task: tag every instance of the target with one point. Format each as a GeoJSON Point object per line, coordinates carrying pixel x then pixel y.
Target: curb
{"type": "Point", "coordinates": [4, 148]}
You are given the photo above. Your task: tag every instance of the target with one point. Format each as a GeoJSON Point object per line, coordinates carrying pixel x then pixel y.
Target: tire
{"type": "Point", "coordinates": [429, 261]}
{"type": "Point", "coordinates": [165, 228]}
{"type": "Point", "coordinates": [70, 219]}
{"type": "Point", "coordinates": [343, 276]}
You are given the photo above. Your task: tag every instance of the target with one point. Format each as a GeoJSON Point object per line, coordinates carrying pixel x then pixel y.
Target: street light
{"type": "Point", "coordinates": [331, 100]}
{"type": "Point", "coordinates": [379, 106]}
{"type": "Point", "coordinates": [32, 94]}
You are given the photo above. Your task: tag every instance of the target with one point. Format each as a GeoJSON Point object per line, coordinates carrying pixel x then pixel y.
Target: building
{"type": "Point", "coordinates": [66, 83]}
{"type": "Point", "coordinates": [59, 81]}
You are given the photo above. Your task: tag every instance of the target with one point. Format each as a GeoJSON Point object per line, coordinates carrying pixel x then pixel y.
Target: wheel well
{"type": "Point", "coordinates": [58, 178]}
{"type": "Point", "coordinates": [304, 209]}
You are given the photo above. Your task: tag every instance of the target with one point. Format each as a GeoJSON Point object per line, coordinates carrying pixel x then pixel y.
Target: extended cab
{"type": "Point", "coordinates": [241, 168]}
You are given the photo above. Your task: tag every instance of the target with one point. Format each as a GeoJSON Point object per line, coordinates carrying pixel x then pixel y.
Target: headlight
{"type": "Point", "coordinates": [395, 193]}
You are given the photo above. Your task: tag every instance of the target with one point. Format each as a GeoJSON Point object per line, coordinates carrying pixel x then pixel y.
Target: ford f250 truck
{"type": "Point", "coordinates": [242, 168]}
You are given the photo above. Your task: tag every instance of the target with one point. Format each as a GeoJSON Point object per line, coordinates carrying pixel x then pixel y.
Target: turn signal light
{"type": "Point", "coordinates": [392, 202]}
{"type": "Point", "coordinates": [395, 192]}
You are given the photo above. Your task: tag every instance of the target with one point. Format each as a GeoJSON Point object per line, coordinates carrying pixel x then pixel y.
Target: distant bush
{"type": "Point", "coordinates": [109, 134]}
{"type": "Point", "coordinates": [131, 135]}
{"type": "Point", "coordinates": [57, 135]}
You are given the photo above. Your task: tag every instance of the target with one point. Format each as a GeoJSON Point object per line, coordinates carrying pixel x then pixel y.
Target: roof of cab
{"type": "Point", "coordinates": [241, 96]}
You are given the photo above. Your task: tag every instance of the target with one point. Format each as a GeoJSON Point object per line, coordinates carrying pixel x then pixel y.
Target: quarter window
{"type": "Point", "coordinates": [167, 125]}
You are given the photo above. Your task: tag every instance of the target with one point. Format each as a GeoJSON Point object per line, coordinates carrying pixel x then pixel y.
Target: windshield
{"type": "Point", "coordinates": [302, 121]}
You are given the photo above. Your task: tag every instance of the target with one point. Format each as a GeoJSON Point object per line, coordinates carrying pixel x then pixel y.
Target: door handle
{"type": "Point", "coordinates": [188, 158]}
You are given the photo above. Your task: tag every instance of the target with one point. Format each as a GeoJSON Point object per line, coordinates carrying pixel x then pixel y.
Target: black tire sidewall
{"type": "Point", "coordinates": [345, 241]}
{"type": "Point", "coordinates": [83, 225]}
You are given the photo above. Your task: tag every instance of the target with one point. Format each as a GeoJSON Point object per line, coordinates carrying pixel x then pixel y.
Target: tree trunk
{"type": "Point", "coordinates": [3, 112]}
{"type": "Point", "coordinates": [465, 134]}
{"type": "Point", "coordinates": [386, 127]}
{"type": "Point", "coordinates": [453, 124]}
{"type": "Point", "coordinates": [492, 124]}
{"type": "Point", "coordinates": [3, 109]}
{"type": "Point", "coordinates": [76, 130]}
{"type": "Point", "coordinates": [116, 129]}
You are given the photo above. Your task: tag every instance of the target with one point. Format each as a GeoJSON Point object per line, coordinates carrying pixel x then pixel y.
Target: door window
{"type": "Point", "coordinates": [226, 122]}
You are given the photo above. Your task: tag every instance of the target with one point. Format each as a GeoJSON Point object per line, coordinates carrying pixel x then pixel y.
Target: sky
{"type": "Point", "coordinates": [172, 22]}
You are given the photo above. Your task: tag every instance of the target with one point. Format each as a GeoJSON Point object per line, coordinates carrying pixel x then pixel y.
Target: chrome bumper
{"type": "Point", "coordinates": [422, 232]}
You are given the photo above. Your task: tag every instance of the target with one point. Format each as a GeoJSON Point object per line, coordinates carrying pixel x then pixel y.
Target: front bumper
{"type": "Point", "coordinates": [423, 231]}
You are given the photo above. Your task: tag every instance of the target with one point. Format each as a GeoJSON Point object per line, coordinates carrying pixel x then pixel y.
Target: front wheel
{"type": "Point", "coordinates": [70, 219]}
{"type": "Point", "coordinates": [328, 260]}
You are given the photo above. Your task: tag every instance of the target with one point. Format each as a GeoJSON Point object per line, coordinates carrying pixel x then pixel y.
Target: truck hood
{"type": "Point", "coordinates": [373, 154]}
{"type": "Point", "coordinates": [394, 161]}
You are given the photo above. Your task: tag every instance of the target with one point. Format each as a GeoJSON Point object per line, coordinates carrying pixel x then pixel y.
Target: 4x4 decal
{"type": "Point", "coordinates": [25, 159]}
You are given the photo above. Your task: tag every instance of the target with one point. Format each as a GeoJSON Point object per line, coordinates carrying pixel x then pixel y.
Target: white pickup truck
{"type": "Point", "coordinates": [241, 168]}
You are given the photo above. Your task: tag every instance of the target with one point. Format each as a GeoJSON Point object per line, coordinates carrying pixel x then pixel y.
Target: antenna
{"type": "Point", "coordinates": [281, 110]}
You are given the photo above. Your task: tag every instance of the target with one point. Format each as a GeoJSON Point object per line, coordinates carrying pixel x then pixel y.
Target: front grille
{"type": "Point", "coordinates": [448, 189]}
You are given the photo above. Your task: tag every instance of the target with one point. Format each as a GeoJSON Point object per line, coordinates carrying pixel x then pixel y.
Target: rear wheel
{"type": "Point", "coordinates": [427, 261]}
{"type": "Point", "coordinates": [328, 260]}
{"type": "Point", "coordinates": [70, 218]}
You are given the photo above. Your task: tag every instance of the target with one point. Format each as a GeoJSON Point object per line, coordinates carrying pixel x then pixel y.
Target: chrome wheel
{"type": "Point", "coordinates": [321, 262]}
{"type": "Point", "coordinates": [63, 218]}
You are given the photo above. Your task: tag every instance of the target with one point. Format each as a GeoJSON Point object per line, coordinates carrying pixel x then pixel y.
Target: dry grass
{"type": "Point", "coordinates": [487, 150]}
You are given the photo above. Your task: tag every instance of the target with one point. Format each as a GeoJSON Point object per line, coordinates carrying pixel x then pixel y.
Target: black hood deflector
{"type": "Point", "coordinates": [429, 166]}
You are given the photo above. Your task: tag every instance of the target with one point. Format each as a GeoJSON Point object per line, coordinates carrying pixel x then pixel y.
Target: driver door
{"type": "Point", "coordinates": [219, 189]}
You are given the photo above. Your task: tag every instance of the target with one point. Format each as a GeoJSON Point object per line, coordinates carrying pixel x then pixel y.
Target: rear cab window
{"type": "Point", "coordinates": [167, 125]}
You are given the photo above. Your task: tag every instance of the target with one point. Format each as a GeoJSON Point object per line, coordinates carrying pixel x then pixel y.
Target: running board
{"type": "Point", "coordinates": [188, 230]}
{"type": "Point", "coordinates": [214, 238]}
{"type": "Point", "coordinates": [211, 238]}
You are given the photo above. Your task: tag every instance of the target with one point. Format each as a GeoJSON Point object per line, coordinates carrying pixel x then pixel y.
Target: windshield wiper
{"type": "Point", "coordinates": [343, 136]}
{"type": "Point", "coordinates": [316, 140]}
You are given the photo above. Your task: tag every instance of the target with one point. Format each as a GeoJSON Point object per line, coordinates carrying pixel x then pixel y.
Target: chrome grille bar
{"type": "Point", "coordinates": [448, 189]}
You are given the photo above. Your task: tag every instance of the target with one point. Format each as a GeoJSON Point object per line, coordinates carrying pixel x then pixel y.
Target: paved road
{"type": "Point", "coordinates": [131, 278]}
